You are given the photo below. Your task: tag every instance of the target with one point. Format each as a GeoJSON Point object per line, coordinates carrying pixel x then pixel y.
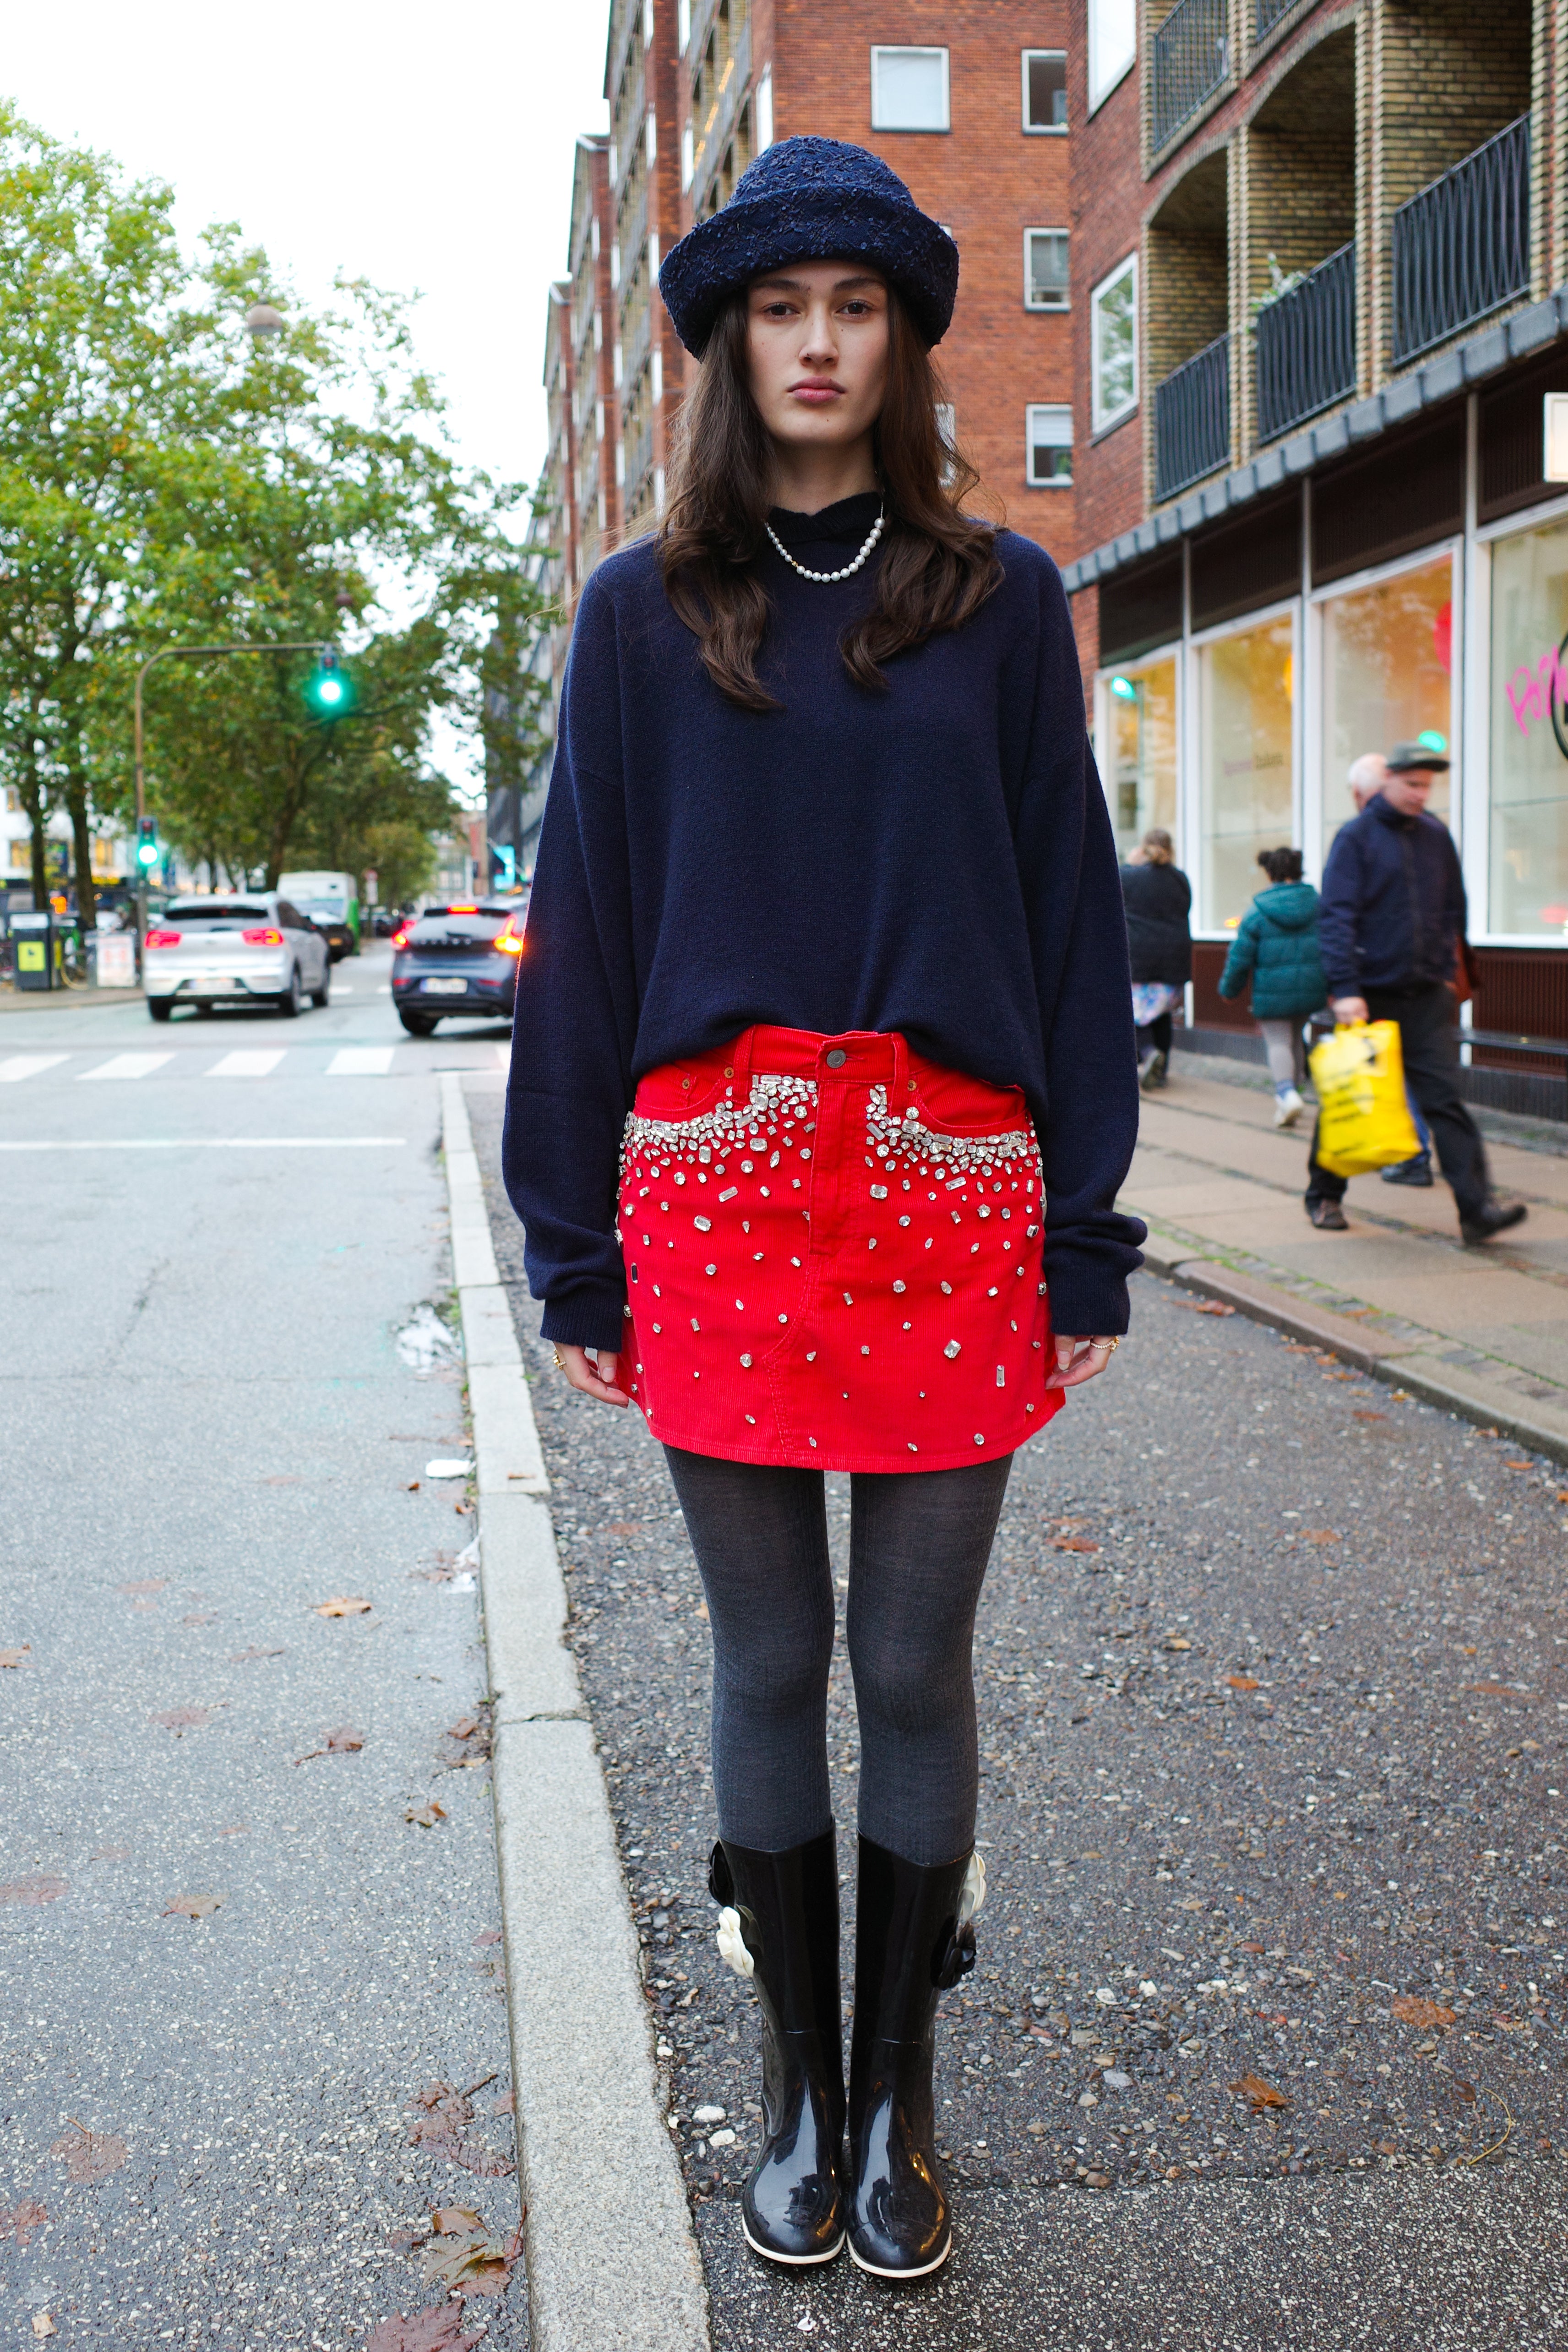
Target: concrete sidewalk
{"type": "Point", "coordinates": [1483, 1331]}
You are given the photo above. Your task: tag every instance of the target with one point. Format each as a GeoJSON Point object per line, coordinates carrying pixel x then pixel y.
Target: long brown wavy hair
{"type": "Point", "coordinates": [938, 566]}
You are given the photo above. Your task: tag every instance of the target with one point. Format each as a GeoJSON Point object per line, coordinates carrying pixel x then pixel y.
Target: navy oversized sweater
{"type": "Point", "coordinates": [935, 859]}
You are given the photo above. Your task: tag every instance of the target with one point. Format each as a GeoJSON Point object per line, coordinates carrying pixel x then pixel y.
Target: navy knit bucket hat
{"type": "Point", "coordinates": [812, 200]}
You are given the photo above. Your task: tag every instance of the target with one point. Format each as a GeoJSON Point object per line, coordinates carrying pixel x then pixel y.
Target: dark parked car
{"type": "Point", "coordinates": [460, 960]}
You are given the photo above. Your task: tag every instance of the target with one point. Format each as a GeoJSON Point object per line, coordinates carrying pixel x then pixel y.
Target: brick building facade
{"type": "Point", "coordinates": [1318, 260]}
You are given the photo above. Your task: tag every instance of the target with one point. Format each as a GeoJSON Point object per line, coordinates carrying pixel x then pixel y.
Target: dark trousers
{"type": "Point", "coordinates": [1431, 1054]}
{"type": "Point", "coordinates": [1155, 1035]}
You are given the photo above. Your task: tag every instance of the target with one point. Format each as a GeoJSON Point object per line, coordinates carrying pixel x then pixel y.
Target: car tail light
{"type": "Point", "coordinates": [266, 938]}
{"type": "Point", "coordinates": [400, 938]}
{"type": "Point", "coordinates": [507, 940]}
{"type": "Point", "coordinates": [163, 939]}
{"type": "Point", "coordinates": [462, 910]}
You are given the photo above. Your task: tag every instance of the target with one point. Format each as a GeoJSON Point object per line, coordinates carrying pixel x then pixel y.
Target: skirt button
{"type": "Point", "coordinates": [837, 1059]}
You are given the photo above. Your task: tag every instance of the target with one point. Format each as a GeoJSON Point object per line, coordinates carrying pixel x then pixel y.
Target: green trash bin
{"type": "Point", "coordinates": [36, 950]}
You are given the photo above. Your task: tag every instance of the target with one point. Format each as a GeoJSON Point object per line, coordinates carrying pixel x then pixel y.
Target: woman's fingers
{"type": "Point", "coordinates": [1078, 1359]}
{"type": "Point", "coordinates": [593, 1373]}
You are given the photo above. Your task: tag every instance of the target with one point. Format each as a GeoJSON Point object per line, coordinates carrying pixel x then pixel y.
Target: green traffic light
{"type": "Point", "coordinates": [329, 690]}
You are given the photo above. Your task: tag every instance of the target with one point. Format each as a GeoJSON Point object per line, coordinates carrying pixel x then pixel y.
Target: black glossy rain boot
{"type": "Point", "coordinates": [913, 1938]}
{"type": "Point", "coordinates": [780, 1927]}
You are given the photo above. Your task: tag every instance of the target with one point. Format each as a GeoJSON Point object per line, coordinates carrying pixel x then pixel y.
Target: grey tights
{"type": "Point", "coordinates": [919, 1545]}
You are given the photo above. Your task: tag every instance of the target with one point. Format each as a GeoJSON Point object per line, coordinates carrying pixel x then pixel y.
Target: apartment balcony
{"type": "Point", "coordinates": [1267, 15]}
{"type": "Point", "coordinates": [1305, 343]}
{"type": "Point", "coordinates": [1191, 420]}
{"type": "Point", "coordinates": [1461, 247]}
{"type": "Point", "coordinates": [1191, 59]}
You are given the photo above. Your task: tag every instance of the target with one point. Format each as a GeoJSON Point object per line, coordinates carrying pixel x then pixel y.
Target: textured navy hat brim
{"type": "Point", "coordinates": [810, 223]}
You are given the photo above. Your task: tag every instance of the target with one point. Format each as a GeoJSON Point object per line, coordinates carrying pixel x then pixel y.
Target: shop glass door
{"type": "Point", "coordinates": [1388, 677]}
{"type": "Point", "coordinates": [1529, 730]}
{"type": "Point", "coordinates": [1247, 764]}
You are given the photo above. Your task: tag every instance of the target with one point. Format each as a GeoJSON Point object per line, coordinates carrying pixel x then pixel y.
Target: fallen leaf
{"type": "Point", "coordinates": [146, 1584]}
{"type": "Point", "coordinates": [244, 1657]}
{"type": "Point", "coordinates": [412, 1487]}
{"type": "Point", "coordinates": [208, 1618]}
{"type": "Point", "coordinates": [344, 1605]}
{"type": "Point", "coordinates": [465, 1727]}
{"type": "Point", "coordinates": [1072, 1543]}
{"type": "Point", "coordinates": [181, 1720]}
{"type": "Point", "coordinates": [1250, 1947]}
{"type": "Point", "coordinates": [22, 1657]}
{"type": "Point", "coordinates": [1261, 2094]}
{"type": "Point", "coordinates": [1360, 1415]}
{"type": "Point", "coordinates": [460, 2218]}
{"type": "Point", "coordinates": [43, 2325]}
{"type": "Point", "coordinates": [191, 1906]}
{"type": "Point", "coordinates": [1319, 1535]}
{"type": "Point", "coordinates": [1517, 1465]}
{"type": "Point", "coordinates": [702, 1611]}
{"type": "Point", "coordinates": [488, 1935]}
{"type": "Point", "coordinates": [1211, 1307]}
{"type": "Point", "coordinates": [1245, 1682]}
{"type": "Point", "coordinates": [38, 1887]}
{"type": "Point", "coordinates": [24, 2221]}
{"type": "Point", "coordinates": [426, 1816]}
{"type": "Point", "coordinates": [439, 2329]}
{"type": "Point", "coordinates": [506, 2104]}
{"type": "Point", "coordinates": [89, 2155]}
{"type": "Point", "coordinates": [342, 1740]}
{"type": "Point", "coordinates": [1415, 2009]}
{"type": "Point", "coordinates": [1178, 1642]}
{"type": "Point", "coordinates": [443, 2129]}
{"type": "Point", "coordinates": [1495, 1690]}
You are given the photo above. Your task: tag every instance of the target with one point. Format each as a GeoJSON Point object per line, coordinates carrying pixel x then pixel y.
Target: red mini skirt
{"type": "Point", "coordinates": [835, 1257]}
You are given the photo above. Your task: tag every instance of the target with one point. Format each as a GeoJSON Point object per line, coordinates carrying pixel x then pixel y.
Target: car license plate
{"type": "Point", "coordinates": [215, 987]}
{"type": "Point", "coordinates": [446, 987]}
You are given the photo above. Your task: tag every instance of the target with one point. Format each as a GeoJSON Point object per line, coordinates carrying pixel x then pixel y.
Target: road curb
{"type": "Point", "coordinates": [610, 2254]}
{"type": "Point", "coordinates": [1396, 1363]}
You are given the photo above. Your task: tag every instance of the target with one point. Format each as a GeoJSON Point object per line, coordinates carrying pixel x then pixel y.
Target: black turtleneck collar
{"type": "Point", "coordinates": [844, 523]}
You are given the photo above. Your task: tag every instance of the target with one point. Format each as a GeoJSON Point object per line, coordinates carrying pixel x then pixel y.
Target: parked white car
{"type": "Point", "coordinates": [206, 951]}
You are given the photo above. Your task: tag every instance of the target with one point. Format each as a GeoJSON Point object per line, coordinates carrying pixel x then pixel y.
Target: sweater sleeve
{"type": "Point", "coordinates": [574, 1030]}
{"type": "Point", "coordinates": [1072, 889]}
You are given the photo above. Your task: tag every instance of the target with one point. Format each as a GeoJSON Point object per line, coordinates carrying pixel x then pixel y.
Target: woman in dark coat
{"type": "Point", "coordinates": [816, 1135]}
{"type": "Point", "coordinates": [1158, 898]}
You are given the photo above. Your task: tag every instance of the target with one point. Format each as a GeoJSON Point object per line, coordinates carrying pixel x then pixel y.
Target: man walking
{"type": "Point", "coordinates": [1392, 913]}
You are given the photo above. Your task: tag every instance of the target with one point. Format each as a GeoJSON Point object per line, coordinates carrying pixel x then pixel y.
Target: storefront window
{"type": "Point", "coordinates": [1140, 776]}
{"type": "Point", "coordinates": [1246, 689]}
{"type": "Point", "coordinates": [1530, 734]}
{"type": "Point", "coordinates": [1387, 678]}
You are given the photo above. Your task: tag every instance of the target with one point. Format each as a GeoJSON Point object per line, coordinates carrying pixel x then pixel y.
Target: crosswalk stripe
{"type": "Point", "coordinates": [361, 1062]}
{"type": "Point", "coordinates": [248, 1064]}
{"type": "Point", "coordinates": [127, 1066]}
{"type": "Point", "coordinates": [27, 1065]}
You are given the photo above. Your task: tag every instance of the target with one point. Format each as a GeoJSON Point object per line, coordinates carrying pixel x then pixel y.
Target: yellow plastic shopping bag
{"type": "Point", "coordinates": [1363, 1118]}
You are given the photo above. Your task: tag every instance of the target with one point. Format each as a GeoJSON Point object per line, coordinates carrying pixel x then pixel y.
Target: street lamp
{"type": "Point", "coordinates": [263, 324]}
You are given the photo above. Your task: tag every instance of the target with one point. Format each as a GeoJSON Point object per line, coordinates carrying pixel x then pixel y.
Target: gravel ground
{"type": "Point", "coordinates": [1267, 2022]}
{"type": "Point", "coordinates": [252, 2015]}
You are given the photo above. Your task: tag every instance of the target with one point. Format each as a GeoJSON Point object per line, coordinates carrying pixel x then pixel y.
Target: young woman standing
{"type": "Point", "coordinates": [821, 1091]}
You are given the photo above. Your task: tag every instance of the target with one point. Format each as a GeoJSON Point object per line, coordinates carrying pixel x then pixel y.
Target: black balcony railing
{"type": "Point", "coordinates": [1191, 420]}
{"type": "Point", "coordinates": [1267, 15]}
{"type": "Point", "coordinates": [1461, 248]}
{"type": "Point", "coordinates": [1191, 59]}
{"type": "Point", "coordinates": [1305, 345]}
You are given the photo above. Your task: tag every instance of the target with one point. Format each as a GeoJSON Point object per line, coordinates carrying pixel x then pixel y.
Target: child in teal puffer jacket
{"type": "Point", "coordinates": [1277, 944]}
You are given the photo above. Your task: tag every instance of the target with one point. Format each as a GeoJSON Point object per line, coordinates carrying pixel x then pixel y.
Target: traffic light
{"type": "Point", "coordinates": [330, 692]}
{"type": "Point", "coordinates": [147, 850]}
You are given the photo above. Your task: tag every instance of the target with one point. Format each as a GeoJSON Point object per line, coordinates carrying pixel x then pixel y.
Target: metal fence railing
{"type": "Point", "coordinates": [1191, 57]}
{"type": "Point", "coordinates": [1305, 344]}
{"type": "Point", "coordinates": [1192, 419]}
{"type": "Point", "coordinates": [1266, 13]}
{"type": "Point", "coordinates": [1461, 247]}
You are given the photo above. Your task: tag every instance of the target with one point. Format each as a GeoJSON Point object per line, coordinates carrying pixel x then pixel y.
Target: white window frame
{"type": "Point", "coordinates": [1054, 408]}
{"type": "Point", "coordinates": [1044, 309]}
{"type": "Point", "coordinates": [682, 26]}
{"type": "Point", "coordinates": [912, 49]}
{"type": "Point", "coordinates": [1037, 129]}
{"type": "Point", "coordinates": [762, 113]}
{"type": "Point", "coordinates": [1105, 76]}
{"type": "Point", "coordinates": [1102, 418]}
{"type": "Point", "coordinates": [687, 157]}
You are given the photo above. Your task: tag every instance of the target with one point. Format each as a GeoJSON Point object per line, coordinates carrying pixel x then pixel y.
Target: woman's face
{"type": "Point", "coordinates": [817, 349]}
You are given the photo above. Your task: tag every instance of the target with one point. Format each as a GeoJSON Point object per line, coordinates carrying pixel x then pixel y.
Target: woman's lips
{"type": "Point", "coordinates": [816, 395]}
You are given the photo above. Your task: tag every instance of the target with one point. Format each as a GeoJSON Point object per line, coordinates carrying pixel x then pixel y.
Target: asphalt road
{"type": "Point", "coordinates": [231, 1965]}
{"type": "Point", "coordinates": [1273, 1705]}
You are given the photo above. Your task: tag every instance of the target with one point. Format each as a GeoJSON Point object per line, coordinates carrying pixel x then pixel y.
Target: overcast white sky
{"type": "Point", "coordinates": [424, 148]}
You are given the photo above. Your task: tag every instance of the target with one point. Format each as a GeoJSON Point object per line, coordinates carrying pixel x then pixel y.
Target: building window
{"type": "Point", "coordinates": [1527, 895]}
{"type": "Point", "coordinates": [1113, 335]}
{"type": "Point", "coordinates": [764, 112]}
{"type": "Point", "coordinates": [1140, 740]}
{"type": "Point", "coordinates": [909, 89]}
{"type": "Point", "coordinates": [1045, 90]}
{"type": "Point", "coordinates": [1246, 764]}
{"type": "Point", "coordinates": [687, 157]}
{"type": "Point", "coordinates": [1112, 47]}
{"type": "Point", "coordinates": [1049, 433]}
{"type": "Point", "coordinates": [1045, 269]}
{"type": "Point", "coordinates": [1388, 653]}
{"type": "Point", "coordinates": [682, 24]}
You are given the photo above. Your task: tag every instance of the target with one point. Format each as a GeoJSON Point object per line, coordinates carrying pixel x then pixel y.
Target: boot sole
{"type": "Point", "coordinates": [795, 2262]}
{"type": "Point", "coordinates": [876, 2269]}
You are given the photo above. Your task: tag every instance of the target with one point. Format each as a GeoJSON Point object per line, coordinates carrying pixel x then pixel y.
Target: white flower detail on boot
{"type": "Point", "coordinates": [974, 1892]}
{"type": "Point", "coordinates": [733, 1944]}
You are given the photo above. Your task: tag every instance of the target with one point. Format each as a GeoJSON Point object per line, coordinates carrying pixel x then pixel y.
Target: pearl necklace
{"type": "Point", "coordinates": [877, 529]}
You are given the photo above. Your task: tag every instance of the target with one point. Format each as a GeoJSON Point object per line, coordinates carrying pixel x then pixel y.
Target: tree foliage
{"type": "Point", "coordinates": [164, 481]}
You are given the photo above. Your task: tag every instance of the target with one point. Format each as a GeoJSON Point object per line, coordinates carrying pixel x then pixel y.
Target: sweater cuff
{"type": "Point", "coordinates": [590, 1316]}
{"type": "Point", "coordinates": [1089, 1300]}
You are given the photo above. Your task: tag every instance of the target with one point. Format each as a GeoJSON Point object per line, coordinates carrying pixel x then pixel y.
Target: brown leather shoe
{"type": "Point", "coordinates": [1327, 1216]}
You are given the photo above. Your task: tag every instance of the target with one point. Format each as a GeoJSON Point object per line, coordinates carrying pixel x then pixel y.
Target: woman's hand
{"type": "Point", "coordinates": [594, 1373]}
{"type": "Point", "coordinates": [1078, 1359]}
